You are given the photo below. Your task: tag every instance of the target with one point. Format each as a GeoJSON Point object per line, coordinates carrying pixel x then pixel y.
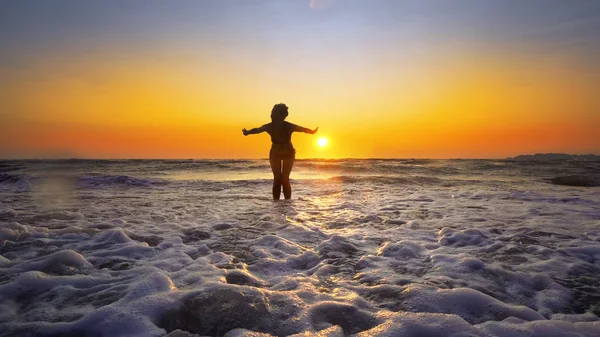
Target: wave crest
{"type": "Point", "coordinates": [101, 181]}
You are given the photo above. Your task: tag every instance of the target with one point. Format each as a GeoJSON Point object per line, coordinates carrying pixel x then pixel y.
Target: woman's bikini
{"type": "Point", "coordinates": [281, 147]}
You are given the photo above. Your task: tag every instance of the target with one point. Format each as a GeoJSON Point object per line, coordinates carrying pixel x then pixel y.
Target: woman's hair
{"type": "Point", "coordinates": [280, 109]}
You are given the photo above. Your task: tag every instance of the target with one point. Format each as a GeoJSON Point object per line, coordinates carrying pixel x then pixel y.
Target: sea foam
{"type": "Point", "coordinates": [365, 248]}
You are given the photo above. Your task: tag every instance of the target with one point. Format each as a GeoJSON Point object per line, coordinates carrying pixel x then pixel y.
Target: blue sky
{"type": "Point", "coordinates": [39, 28]}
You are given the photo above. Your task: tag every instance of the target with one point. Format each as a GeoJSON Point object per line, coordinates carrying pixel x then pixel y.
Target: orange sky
{"type": "Point", "coordinates": [444, 98]}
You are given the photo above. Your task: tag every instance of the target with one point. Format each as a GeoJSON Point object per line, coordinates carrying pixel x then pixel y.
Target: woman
{"type": "Point", "coordinates": [282, 149]}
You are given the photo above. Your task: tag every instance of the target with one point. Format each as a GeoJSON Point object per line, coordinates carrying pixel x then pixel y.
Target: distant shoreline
{"type": "Point", "coordinates": [555, 156]}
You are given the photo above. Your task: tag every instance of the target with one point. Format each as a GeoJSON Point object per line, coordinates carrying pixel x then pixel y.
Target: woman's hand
{"type": "Point", "coordinates": [312, 132]}
{"type": "Point", "coordinates": [245, 132]}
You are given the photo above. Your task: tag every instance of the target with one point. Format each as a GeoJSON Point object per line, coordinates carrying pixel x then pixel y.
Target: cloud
{"type": "Point", "coordinates": [321, 4]}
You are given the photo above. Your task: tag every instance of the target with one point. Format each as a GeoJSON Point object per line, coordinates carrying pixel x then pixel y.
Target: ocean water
{"type": "Point", "coordinates": [364, 248]}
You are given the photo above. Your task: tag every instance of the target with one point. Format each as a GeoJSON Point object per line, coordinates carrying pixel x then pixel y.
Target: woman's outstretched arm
{"type": "Point", "coordinates": [298, 128]}
{"type": "Point", "coordinates": [255, 130]}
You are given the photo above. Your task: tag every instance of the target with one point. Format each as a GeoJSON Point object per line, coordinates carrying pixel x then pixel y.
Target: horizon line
{"type": "Point", "coordinates": [312, 158]}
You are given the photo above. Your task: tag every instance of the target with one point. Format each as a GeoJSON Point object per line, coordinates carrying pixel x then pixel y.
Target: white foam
{"type": "Point", "coordinates": [471, 305]}
{"type": "Point", "coordinates": [476, 257]}
{"type": "Point", "coordinates": [57, 262]}
{"type": "Point", "coordinates": [401, 250]}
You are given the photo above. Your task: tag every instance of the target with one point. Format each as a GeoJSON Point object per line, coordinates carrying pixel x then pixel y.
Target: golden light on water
{"type": "Point", "coordinates": [322, 142]}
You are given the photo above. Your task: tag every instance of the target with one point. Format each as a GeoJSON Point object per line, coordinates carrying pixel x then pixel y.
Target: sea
{"type": "Point", "coordinates": [365, 247]}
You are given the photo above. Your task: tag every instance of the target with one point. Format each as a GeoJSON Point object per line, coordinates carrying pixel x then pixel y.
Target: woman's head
{"type": "Point", "coordinates": [279, 112]}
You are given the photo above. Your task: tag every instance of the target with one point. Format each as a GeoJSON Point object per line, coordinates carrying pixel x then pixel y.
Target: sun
{"type": "Point", "coordinates": [322, 142]}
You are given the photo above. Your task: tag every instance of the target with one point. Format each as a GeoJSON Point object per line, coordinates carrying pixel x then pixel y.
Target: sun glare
{"type": "Point", "coordinates": [322, 142]}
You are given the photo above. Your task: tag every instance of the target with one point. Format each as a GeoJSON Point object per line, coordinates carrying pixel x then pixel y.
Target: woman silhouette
{"type": "Point", "coordinates": [282, 149]}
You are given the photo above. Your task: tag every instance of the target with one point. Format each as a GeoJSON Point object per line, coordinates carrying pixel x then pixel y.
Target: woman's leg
{"type": "Point", "coordinates": [276, 168]}
{"type": "Point", "coordinates": [285, 177]}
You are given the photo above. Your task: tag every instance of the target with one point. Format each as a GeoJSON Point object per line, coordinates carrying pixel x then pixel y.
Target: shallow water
{"type": "Point", "coordinates": [366, 247]}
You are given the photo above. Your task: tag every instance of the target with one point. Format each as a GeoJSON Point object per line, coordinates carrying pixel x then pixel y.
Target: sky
{"type": "Point", "coordinates": [380, 78]}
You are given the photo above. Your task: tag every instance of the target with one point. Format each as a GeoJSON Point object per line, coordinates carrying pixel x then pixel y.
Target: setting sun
{"type": "Point", "coordinates": [322, 142]}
